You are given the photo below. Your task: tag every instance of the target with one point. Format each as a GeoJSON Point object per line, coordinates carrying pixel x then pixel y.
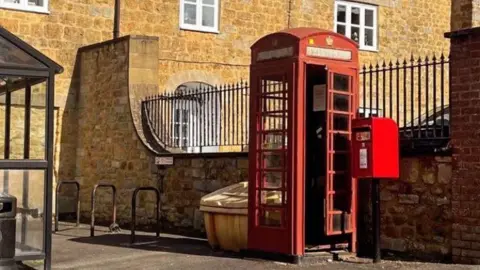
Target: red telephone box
{"type": "Point", "coordinates": [304, 84]}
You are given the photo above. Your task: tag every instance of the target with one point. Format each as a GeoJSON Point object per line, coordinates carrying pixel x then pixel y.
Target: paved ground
{"type": "Point", "coordinates": [73, 249]}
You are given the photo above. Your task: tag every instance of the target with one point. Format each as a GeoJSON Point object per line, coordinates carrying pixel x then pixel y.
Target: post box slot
{"type": "Point", "coordinates": [360, 129]}
{"type": "Point", "coordinates": [6, 207]}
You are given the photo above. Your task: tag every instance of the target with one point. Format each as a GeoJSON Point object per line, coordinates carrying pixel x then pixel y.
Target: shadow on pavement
{"type": "Point", "coordinates": [173, 244]}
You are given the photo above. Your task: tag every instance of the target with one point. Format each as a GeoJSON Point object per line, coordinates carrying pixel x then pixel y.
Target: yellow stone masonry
{"type": "Point", "coordinates": [404, 27]}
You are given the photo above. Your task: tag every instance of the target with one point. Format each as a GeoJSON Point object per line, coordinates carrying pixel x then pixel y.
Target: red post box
{"type": "Point", "coordinates": [375, 148]}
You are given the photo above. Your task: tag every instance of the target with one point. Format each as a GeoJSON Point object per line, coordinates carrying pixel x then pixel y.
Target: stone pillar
{"type": "Point", "coordinates": [465, 134]}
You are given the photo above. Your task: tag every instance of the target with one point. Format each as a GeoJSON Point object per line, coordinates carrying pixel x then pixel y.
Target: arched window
{"type": "Point", "coordinates": [196, 118]}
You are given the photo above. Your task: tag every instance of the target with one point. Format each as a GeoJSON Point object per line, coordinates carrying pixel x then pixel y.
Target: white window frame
{"type": "Point", "coordinates": [24, 6]}
{"type": "Point", "coordinates": [199, 12]}
{"type": "Point", "coordinates": [200, 115]}
{"type": "Point", "coordinates": [362, 26]}
{"type": "Point", "coordinates": [182, 109]}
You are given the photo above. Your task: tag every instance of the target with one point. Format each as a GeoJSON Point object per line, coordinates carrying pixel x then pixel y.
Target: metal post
{"type": "Point", "coordinates": [49, 127]}
{"type": "Point", "coordinates": [376, 220]}
{"type": "Point", "coordinates": [116, 20]}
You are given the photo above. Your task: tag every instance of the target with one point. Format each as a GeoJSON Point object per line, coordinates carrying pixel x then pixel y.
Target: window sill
{"type": "Point", "coordinates": [369, 50]}
{"type": "Point", "coordinates": [199, 29]}
{"type": "Point", "coordinates": [29, 10]}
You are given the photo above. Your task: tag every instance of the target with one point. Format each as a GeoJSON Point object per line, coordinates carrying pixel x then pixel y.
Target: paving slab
{"type": "Point", "coordinates": [74, 249]}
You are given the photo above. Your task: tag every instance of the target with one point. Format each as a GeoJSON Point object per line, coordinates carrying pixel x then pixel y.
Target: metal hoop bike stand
{"type": "Point", "coordinates": [134, 211]}
{"type": "Point", "coordinates": [59, 185]}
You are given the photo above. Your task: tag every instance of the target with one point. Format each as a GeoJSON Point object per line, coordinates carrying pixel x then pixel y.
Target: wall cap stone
{"type": "Point", "coordinates": [102, 44]}
{"type": "Point", "coordinates": [113, 41]}
{"type": "Point", "coordinates": [204, 155]}
{"type": "Point", "coordinates": [463, 33]}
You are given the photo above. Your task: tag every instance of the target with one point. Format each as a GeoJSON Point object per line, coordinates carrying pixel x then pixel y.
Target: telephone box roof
{"type": "Point", "coordinates": [301, 33]}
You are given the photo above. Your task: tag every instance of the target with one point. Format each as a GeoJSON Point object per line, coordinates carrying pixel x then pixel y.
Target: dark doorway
{"type": "Point", "coordinates": [315, 171]}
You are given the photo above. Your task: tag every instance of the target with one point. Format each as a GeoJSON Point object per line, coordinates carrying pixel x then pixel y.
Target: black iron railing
{"type": "Point", "coordinates": [202, 119]}
{"type": "Point", "coordinates": [413, 92]}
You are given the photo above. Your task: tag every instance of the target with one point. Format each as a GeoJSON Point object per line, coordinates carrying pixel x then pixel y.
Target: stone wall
{"type": "Point", "coordinates": [465, 89]}
{"type": "Point", "coordinates": [416, 210]}
{"type": "Point", "coordinates": [111, 146]}
{"type": "Point", "coordinates": [465, 14]}
{"type": "Point", "coordinates": [405, 26]}
{"type": "Point", "coordinates": [109, 150]}
{"type": "Point", "coordinates": [185, 183]}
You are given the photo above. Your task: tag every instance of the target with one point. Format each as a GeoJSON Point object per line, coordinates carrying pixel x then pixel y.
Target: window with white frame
{"type": "Point", "coordinates": [196, 118]}
{"type": "Point", "coordinates": [358, 22]}
{"type": "Point", "coordinates": [199, 15]}
{"type": "Point", "coordinates": [40, 6]}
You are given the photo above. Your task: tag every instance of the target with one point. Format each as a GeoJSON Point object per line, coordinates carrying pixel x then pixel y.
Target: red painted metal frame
{"type": "Point", "coordinates": [330, 191]}
{"type": "Point", "coordinates": [289, 239]}
{"type": "Point", "coordinates": [268, 237]}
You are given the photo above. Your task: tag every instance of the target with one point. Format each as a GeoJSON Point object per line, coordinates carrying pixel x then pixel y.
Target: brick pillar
{"type": "Point", "coordinates": [465, 134]}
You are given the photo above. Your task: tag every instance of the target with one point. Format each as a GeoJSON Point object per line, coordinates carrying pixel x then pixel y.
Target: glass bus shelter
{"type": "Point", "coordinates": [26, 142]}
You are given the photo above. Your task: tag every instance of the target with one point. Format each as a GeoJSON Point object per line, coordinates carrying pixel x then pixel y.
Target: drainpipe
{"type": "Point", "coordinates": [116, 20]}
{"type": "Point", "coordinates": [289, 13]}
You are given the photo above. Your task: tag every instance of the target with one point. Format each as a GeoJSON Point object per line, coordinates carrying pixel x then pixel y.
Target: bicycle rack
{"type": "Point", "coordinates": [59, 185]}
{"type": "Point", "coordinates": [113, 227]}
{"type": "Point", "coordinates": [134, 211]}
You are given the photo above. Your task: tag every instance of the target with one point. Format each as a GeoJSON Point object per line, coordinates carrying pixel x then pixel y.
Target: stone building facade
{"type": "Point", "coordinates": [98, 129]}
{"type": "Point", "coordinates": [404, 27]}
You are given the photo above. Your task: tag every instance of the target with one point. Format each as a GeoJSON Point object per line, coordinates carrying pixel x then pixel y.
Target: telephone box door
{"type": "Point", "coordinates": [340, 187]}
{"type": "Point", "coordinates": [270, 214]}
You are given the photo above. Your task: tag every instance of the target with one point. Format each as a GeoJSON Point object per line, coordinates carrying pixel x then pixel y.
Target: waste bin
{"type": "Point", "coordinates": [226, 216]}
{"type": "Point", "coordinates": [8, 211]}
